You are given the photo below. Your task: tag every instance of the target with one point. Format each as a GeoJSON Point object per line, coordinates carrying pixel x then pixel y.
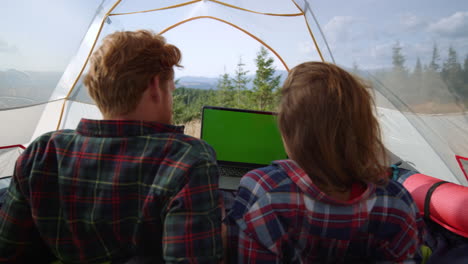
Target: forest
{"type": "Point", "coordinates": [232, 91]}
{"type": "Point", "coordinates": [436, 87]}
{"type": "Point", "coordinates": [440, 86]}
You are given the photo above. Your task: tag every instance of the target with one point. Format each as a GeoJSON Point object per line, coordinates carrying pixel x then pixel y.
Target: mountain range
{"type": "Point", "coordinates": [206, 83]}
{"type": "Point", "coordinates": [18, 88]}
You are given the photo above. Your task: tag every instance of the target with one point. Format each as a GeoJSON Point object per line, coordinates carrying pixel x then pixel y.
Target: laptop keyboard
{"type": "Point", "coordinates": [233, 171]}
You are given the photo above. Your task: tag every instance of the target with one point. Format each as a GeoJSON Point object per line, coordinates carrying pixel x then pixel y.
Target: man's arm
{"type": "Point", "coordinates": [192, 227]}
{"type": "Point", "coordinates": [19, 239]}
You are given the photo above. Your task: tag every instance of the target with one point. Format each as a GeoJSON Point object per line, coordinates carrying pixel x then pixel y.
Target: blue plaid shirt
{"type": "Point", "coordinates": [280, 216]}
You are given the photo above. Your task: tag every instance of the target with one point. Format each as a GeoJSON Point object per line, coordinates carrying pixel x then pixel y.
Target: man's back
{"type": "Point", "coordinates": [114, 189]}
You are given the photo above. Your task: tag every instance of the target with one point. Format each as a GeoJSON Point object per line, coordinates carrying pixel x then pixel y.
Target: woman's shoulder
{"type": "Point", "coordinates": [393, 198]}
{"type": "Point", "coordinates": [394, 189]}
{"type": "Point", "coordinates": [266, 179]}
{"type": "Point", "coordinates": [261, 190]}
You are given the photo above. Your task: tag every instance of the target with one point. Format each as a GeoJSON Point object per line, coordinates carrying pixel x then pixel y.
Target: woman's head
{"type": "Point", "coordinates": [327, 121]}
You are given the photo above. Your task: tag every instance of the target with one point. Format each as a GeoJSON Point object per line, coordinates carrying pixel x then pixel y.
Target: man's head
{"type": "Point", "coordinates": [131, 68]}
{"type": "Point", "coordinates": [328, 125]}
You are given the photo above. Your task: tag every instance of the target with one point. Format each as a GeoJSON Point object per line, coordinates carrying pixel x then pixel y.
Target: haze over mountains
{"type": "Point", "coordinates": [23, 88]}
{"type": "Point", "coordinates": [20, 88]}
{"type": "Point", "coordinates": [206, 83]}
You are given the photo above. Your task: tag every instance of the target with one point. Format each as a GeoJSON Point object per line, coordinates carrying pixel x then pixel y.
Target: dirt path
{"type": "Point", "coordinates": [193, 128]}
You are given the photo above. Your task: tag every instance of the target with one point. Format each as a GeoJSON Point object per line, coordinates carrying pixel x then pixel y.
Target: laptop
{"type": "Point", "coordinates": [243, 140]}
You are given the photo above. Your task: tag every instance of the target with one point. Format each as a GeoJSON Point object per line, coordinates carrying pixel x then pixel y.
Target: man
{"type": "Point", "coordinates": [131, 185]}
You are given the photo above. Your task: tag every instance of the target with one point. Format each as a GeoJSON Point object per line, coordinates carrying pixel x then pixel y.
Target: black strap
{"type": "Point", "coordinates": [429, 196]}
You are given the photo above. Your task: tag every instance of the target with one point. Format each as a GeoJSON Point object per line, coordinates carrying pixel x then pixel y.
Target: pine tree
{"type": "Point", "coordinates": [465, 70]}
{"type": "Point", "coordinates": [225, 91]}
{"type": "Point", "coordinates": [434, 65]}
{"type": "Point", "coordinates": [398, 60]}
{"type": "Point", "coordinates": [418, 68]}
{"type": "Point", "coordinates": [265, 84]}
{"type": "Point", "coordinates": [416, 82]}
{"type": "Point", "coordinates": [188, 102]}
{"type": "Point", "coordinates": [178, 102]}
{"type": "Point", "coordinates": [451, 66]}
{"type": "Point", "coordinates": [355, 68]}
{"type": "Point", "coordinates": [239, 83]}
{"type": "Point", "coordinates": [452, 74]}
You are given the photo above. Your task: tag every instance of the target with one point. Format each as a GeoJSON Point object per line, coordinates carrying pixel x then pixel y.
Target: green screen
{"type": "Point", "coordinates": [243, 136]}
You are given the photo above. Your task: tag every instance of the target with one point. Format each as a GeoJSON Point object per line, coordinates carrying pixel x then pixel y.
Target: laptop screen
{"type": "Point", "coordinates": [242, 135]}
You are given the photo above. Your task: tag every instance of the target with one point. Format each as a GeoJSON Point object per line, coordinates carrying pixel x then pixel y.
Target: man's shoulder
{"type": "Point", "coordinates": [195, 142]}
{"type": "Point", "coordinates": [195, 147]}
{"type": "Point", "coordinates": [45, 138]}
{"type": "Point", "coordinates": [41, 150]}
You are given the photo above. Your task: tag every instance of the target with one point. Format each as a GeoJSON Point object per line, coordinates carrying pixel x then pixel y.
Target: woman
{"type": "Point", "coordinates": [331, 202]}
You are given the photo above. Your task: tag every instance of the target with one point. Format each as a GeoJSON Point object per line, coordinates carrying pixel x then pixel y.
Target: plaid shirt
{"type": "Point", "coordinates": [111, 190]}
{"type": "Point", "coordinates": [280, 216]}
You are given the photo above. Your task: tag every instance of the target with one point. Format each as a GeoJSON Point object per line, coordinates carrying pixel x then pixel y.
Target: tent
{"type": "Point", "coordinates": [45, 47]}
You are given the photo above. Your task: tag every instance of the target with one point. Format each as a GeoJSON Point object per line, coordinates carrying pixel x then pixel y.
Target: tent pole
{"type": "Point", "coordinates": [234, 26]}
{"type": "Point", "coordinates": [86, 62]}
{"type": "Point", "coordinates": [310, 31]}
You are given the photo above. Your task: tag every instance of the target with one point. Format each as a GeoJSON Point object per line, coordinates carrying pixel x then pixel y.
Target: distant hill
{"type": "Point", "coordinates": [197, 82]}
{"type": "Point", "coordinates": [206, 83]}
{"type": "Point", "coordinates": [19, 88]}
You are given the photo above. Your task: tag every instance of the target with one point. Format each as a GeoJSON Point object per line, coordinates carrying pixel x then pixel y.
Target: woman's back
{"type": "Point", "coordinates": [283, 217]}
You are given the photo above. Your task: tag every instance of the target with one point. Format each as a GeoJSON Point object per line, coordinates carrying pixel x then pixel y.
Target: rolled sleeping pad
{"type": "Point", "coordinates": [443, 202]}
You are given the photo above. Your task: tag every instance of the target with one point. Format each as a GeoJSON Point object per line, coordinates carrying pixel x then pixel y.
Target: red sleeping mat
{"type": "Point", "coordinates": [448, 204]}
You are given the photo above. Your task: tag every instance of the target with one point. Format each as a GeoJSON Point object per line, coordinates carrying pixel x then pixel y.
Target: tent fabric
{"type": "Point", "coordinates": [8, 156]}
{"type": "Point", "coordinates": [18, 124]}
{"type": "Point", "coordinates": [414, 125]}
{"type": "Point", "coordinates": [409, 145]}
{"type": "Point", "coordinates": [463, 162]}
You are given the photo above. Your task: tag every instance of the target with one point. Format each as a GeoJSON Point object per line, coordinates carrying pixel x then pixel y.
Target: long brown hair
{"type": "Point", "coordinates": [327, 121]}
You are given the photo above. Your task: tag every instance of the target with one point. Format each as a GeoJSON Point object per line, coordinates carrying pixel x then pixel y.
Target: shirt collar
{"type": "Point", "coordinates": [303, 181]}
{"type": "Point", "coordinates": [124, 128]}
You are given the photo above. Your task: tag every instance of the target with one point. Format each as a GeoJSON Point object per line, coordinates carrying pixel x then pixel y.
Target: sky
{"type": "Point", "coordinates": [45, 35]}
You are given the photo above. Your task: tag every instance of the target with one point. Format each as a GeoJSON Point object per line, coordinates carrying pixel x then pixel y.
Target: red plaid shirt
{"type": "Point", "coordinates": [110, 190]}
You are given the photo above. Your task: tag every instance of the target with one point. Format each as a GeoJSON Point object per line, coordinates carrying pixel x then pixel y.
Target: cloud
{"type": "Point", "coordinates": [305, 47]}
{"type": "Point", "coordinates": [455, 25]}
{"type": "Point", "coordinates": [340, 29]}
{"type": "Point", "coordinates": [411, 22]}
{"type": "Point", "coordinates": [381, 50]}
{"type": "Point", "coordinates": [7, 48]}
{"type": "Point", "coordinates": [307, 52]}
